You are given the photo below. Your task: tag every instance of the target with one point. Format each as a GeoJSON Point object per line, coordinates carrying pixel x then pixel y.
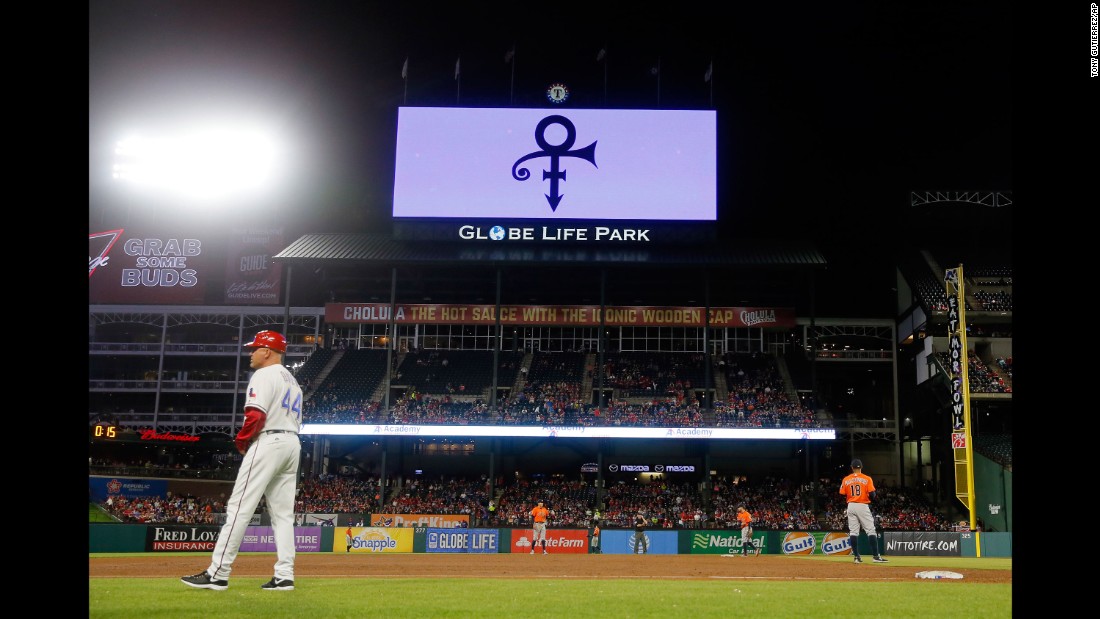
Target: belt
{"type": "Point", "coordinates": [278, 432]}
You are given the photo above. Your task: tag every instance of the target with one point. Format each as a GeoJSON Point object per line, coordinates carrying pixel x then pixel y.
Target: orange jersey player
{"type": "Point", "coordinates": [858, 490]}
{"type": "Point", "coordinates": [744, 518]}
{"type": "Point", "coordinates": [538, 530]}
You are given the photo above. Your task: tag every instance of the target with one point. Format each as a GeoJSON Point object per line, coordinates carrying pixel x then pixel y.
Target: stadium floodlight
{"type": "Point", "coordinates": [201, 165]}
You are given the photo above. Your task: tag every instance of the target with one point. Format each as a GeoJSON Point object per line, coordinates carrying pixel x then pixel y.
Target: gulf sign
{"type": "Point", "coordinates": [806, 543]}
{"type": "Point", "coordinates": [834, 543]}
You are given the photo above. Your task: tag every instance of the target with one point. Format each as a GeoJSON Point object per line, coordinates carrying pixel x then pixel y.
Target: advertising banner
{"type": "Point", "coordinates": [558, 541]}
{"type": "Point", "coordinates": [99, 488]}
{"type": "Point", "coordinates": [559, 315]}
{"type": "Point", "coordinates": [176, 538]}
{"type": "Point", "coordinates": [133, 266]}
{"type": "Point", "coordinates": [262, 539]}
{"type": "Point", "coordinates": [443, 521]}
{"type": "Point", "coordinates": [621, 542]}
{"type": "Point", "coordinates": [816, 543]}
{"type": "Point", "coordinates": [251, 278]}
{"type": "Point", "coordinates": [375, 540]}
{"type": "Point", "coordinates": [922, 544]}
{"type": "Point", "coordinates": [461, 540]}
{"type": "Point", "coordinates": [722, 542]}
{"type": "Point", "coordinates": [658, 433]}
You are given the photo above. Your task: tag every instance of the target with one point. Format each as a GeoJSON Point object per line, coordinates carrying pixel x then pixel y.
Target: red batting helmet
{"type": "Point", "coordinates": [268, 339]}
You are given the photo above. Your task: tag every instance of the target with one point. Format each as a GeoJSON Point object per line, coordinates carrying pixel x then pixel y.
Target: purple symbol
{"type": "Point", "coordinates": [588, 153]}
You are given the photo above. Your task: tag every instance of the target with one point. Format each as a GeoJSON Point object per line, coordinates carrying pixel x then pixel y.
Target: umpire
{"type": "Point", "coordinates": [639, 534]}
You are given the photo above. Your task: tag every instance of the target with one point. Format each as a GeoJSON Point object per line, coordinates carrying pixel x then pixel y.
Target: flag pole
{"type": "Point", "coordinates": [512, 90]}
{"type": "Point", "coordinates": [601, 56]}
{"type": "Point", "coordinates": [709, 76]}
{"type": "Point", "coordinates": [658, 82]}
{"type": "Point", "coordinates": [405, 77]}
{"type": "Point", "coordinates": [458, 80]}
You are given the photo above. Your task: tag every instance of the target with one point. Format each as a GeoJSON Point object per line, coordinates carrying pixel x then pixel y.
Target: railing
{"type": "Point", "coordinates": [863, 424]}
{"type": "Point", "coordinates": [154, 348]}
{"type": "Point", "coordinates": [853, 355]}
{"type": "Point", "coordinates": [185, 385]}
{"type": "Point", "coordinates": [223, 474]}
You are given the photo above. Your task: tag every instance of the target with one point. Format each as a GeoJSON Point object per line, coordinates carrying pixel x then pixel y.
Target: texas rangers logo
{"type": "Point", "coordinates": [555, 153]}
{"type": "Point", "coordinates": [99, 245]}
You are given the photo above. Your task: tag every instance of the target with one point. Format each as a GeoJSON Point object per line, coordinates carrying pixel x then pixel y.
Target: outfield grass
{"type": "Point", "coordinates": [336, 598]}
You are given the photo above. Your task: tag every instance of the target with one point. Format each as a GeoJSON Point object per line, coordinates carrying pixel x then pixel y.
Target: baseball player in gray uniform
{"type": "Point", "coordinates": [269, 442]}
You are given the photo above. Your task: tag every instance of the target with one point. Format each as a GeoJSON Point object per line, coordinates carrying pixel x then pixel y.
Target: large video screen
{"type": "Point", "coordinates": [600, 165]}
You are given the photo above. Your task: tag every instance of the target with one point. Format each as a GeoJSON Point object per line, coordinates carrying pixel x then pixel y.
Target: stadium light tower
{"type": "Point", "coordinates": [205, 165]}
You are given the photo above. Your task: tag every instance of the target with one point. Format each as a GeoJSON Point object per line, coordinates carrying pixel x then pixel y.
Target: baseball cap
{"type": "Point", "coordinates": [857, 464]}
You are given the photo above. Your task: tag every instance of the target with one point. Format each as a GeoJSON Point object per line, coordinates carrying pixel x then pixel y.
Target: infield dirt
{"type": "Point", "coordinates": [525, 566]}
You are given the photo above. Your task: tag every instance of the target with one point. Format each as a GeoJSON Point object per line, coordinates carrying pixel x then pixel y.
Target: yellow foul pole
{"type": "Point", "coordinates": [961, 438]}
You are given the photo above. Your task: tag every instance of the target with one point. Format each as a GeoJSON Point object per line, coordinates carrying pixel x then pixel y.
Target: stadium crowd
{"type": "Point", "coordinates": [655, 390]}
{"type": "Point", "coordinates": [776, 504]}
{"type": "Point", "coordinates": [895, 509]}
{"type": "Point", "coordinates": [165, 509]}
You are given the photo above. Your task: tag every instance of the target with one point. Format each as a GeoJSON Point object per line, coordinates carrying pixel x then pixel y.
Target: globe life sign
{"type": "Point", "coordinates": [554, 233]}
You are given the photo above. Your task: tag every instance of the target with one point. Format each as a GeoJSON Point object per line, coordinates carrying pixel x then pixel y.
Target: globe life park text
{"type": "Point", "coordinates": [553, 233]}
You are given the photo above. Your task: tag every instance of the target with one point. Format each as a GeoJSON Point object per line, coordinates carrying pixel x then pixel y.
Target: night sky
{"type": "Point", "coordinates": [828, 116]}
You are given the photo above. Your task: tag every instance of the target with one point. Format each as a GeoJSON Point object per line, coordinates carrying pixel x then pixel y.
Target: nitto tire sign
{"type": "Point", "coordinates": [918, 544]}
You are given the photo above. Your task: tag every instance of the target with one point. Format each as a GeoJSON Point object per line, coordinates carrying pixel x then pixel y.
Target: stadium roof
{"type": "Point", "coordinates": [362, 267]}
{"type": "Point", "coordinates": [350, 249]}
